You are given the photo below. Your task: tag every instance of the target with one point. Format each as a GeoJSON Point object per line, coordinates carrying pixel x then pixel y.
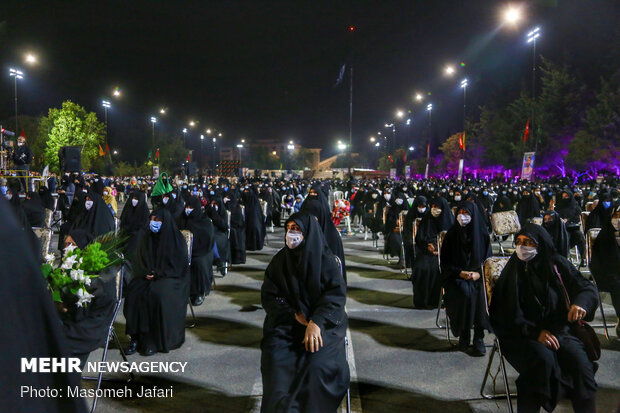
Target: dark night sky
{"type": "Point", "coordinates": [266, 69]}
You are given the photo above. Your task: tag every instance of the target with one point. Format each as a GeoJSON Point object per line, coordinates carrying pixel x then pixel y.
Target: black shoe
{"type": "Point", "coordinates": [464, 340]}
{"type": "Point", "coordinates": [478, 349]}
{"type": "Point", "coordinates": [148, 352]}
{"type": "Point", "coordinates": [132, 348]}
{"type": "Point", "coordinates": [198, 301]}
{"type": "Point", "coordinates": [223, 270]}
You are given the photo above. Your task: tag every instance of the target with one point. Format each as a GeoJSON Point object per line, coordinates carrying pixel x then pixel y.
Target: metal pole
{"type": "Point", "coordinates": [464, 114]}
{"type": "Point", "coordinates": [351, 121]}
{"type": "Point", "coordinates": [534, 95]}
{"type": "Point", "coordinates": [105, 111]}
{"type": "Point", "coordinates": [153, 140]}
{"type": "Point", "coordinates": [16, 125]}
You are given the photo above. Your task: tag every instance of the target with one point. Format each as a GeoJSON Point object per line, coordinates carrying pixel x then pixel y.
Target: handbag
{"type": "Point", "coordinates": [581, 329]}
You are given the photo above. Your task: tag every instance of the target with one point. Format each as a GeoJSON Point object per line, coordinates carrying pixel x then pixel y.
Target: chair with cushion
{"type": "Point", "coordinates": [45, 237]}
{"type": "Point", "coordinates": [504, 223]}
{"type": "Point", "coordinates": [49, 214]}
{"type": "Point", "coordinates": [491, 270]}
{"type": "Point", "coordinates": [346, 346]}
{"type": "Point", "coordinates": [112, 336]}
{"type": "Point", "coordinates": [189, 241]}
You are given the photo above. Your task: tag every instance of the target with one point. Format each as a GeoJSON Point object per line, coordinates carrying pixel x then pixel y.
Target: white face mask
{"type": "Point", "coordinates": [422, 210]}
{"type": "Point", "coordinates": [9, 196]}
{"type": "Point", "coordinates": [616, 223]}
{"type": "Point", "coordinates": [374, 196]}
{"type": "Point", "coordinates": [526, 253]}
{"type": "Point", "coordinates": [188, 211]}
{"type": "Point", "coordinates": [164, 200]}
{"type": "Point", "coordinates": [463, 219]}
{"type": "Point", "coordinates": [387, 197]}
{"type": "Point", "coordinates": [457, 197]}
{"type": "Point", "coordinates": [174, 195]}
{"type": "Point", "coordinates": [399, 201]}
{"type": "Point", "coordinates": [134, 202]}
{"type": "Point", "coordinates": [88, 205]}
{"type": "Point", "coordinates": [435, 212]}
{"type": "Point", "coordinates": [105, 192]}
{"type": "Point", "coordinates": [20, 143]}
{"type": "Point", "coordinates": [293, 238]}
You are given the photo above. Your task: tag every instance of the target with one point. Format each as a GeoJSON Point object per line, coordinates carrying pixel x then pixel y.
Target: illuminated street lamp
{"type": "Point", "coordinates": [162, 111]}
{"type": "Point", "coordinates": [419, 97]}
{"type": "Point", "coordinates": [117, 92]}
{"type": "Point", "coordinates": [16, 74]}
{"type": "Point", "coordinates": [464, 87]}
{"type": "Point", "coordinates": [192, 123]}
{"type": "Point", "coordinates": [31, 59]}
{"type": "Point", "coordinates": [512, 15]}
{"type": "Point", "coordinates": [411, 148]}
{"type": "Point", "coordinates": [106, 105]}
{"type": "Point", "coordinates": [341, 146]}
{"type": "Point", "coordinates": [531, 38]}
{"type": "Point", "coordinates": [449, 70]}
{"type": "Point", "coordinates": [153, 122]}
{"type": "Point", "coordinates": [184, 135]}
{"type": "Point", "coordinates": [372, 139]}
{"type": "Point", "coordinates": [400, 114]}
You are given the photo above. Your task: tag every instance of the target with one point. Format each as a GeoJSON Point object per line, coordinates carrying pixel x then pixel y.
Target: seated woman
{"type": "Point", "coordinates": [303, 361]}
{"type": "Point", "coordinates": [110, 200]}
{"type": "Point", "coordinates": [557, 230]}
{"type": "Point", "coordinates": [86, 327]}
{"type": "Point", "coordinates": [532, 319]}
{"type": "Point", "coordinates": [156, 298]}
{"type": "Point", "coordinates": [201, 267]}
{"type": "Point", "coordinates": [466, 246]}
{"type": "Point", "coordinates": [95, 217]}
{"type": "Point", "coordinates": [35, 211]}
{"type": "Point", "coordinates": [426, 276]}
{"type": "Point", "coordinates": [605, 262]}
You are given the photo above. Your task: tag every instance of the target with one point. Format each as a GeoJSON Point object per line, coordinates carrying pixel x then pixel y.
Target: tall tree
{"type": "Point", "coordinates": [71, 125]}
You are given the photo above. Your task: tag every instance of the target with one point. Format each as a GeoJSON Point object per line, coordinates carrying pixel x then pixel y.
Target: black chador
{"type": "Point", "coordinates": [304, 280]}
{"type": "Point", "coordinates": [155, 308]}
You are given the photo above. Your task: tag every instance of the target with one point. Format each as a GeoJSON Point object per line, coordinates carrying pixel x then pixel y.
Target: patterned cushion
{"type": "Point", "coordinates": [505, 223]}
{"type": "Point", "coordinates": [416, 225]}
{"type": "Point", "coordinates": [48, 217]}
{"type": "Point", "coordinates": [493, 267]}
{"type": "Point", "coordinates": [189, 240]}
{"type": "Point", "coordinates": [536, 220]}
{"type": "Point", "coordinates": [45, 236]}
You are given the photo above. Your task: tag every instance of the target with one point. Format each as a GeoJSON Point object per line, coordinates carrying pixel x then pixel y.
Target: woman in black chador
{"type": "Point", "coordinates": [237, 228]}
{"type": "Point", "coordinates": [218, 214]}
{"type": "Point", "coordinates": [530, 316]}
{"type": "Point", "coordinates": [317, 205]}
{"type": "Point", "coordinates": [156, 298]}
{"type": "Point", "coordinates": [557, 230]}
{"type": "Point", "coordinates": [426, 276]}
{"type": "Point", "coordinates": [201, 267]}
{"type": "Point", "coordinates": [135, 220]}
{"type": "Point", "coordinates": [605, 262]}
{"type": "Point", "coordinates": [303, 361]}
{"type": "Point", "coordinates": [255, 229]}
{"type": "Point", "coordinates": [393, 239]}
{"type": "Point", "coordinates": [463, 252]}
{"type": "Point", "coordinates": [569, 210]}
{"type": "Point", "coordinates": [95, 218]}
{"type": "Point", "coordinates": [528, 206]}
{"type": "Point", "coordinates": [35, 211]}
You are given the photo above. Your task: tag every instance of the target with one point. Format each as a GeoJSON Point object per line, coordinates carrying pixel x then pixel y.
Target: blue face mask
{"type": "Point", "coordinates": [606, 204]}
{"type": "Point", "coordinates": [211, 193]}
{"type": "Point", "coordinates": [3, 189]}
{"type": "Point", "coordinates": [485, 193]}
{"type": "Point", "coordinates": [155, 226]}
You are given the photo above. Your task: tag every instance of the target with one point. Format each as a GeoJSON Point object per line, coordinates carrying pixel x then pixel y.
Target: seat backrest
{"type": "Point", "coordinates": [189, 241]}
{"type": "Point", "coordinates": [339, 263]}
{"type": "Point", "coordinates": [536, 220]}
{"type": "Point", "coordinates": [45, 237]}
{"type": "Point", "coordinates": [263, 205]}
{"type": "Point", "coordinates": [401, 219]}
{"type": "Point", "coordinates": [491, 270]}
{"type": "Point", "coordinates": [590, 237]}
{"type": "Point", "coordinates": [116, 225]}
{"type": "Point", "coordinates": [505, 223]}
{"type": "Point", "coordinates": [385, 212]}
{"type": "Point", "coordinates": [589, 206]}
{"type": "Point", "coordinates": [338, 195]}
{"type": "Point", "coordinates": [440, 238]}
{"type": "Point", "coordinates": [583, 218]}
{"type": "Point", "coordinates": [414, 229]}
{"type": "Point", "coordinates": [48, 217]}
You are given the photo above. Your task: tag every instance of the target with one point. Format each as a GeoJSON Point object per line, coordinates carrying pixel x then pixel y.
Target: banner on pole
{"type": "Point", "coordinates": [407, 171]}
{"type": "Point", "coordinates": [527, 170]}
{"type": "Point", "coordinates": [426, 172]}
{"type": "Point", "coordinates": [392, 173]}
{"type": "Point", "coordinates": [155, 171]}
{"type": "Point", "coordinates": [461, 164]}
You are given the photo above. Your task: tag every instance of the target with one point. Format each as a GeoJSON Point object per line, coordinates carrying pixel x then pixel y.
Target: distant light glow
{"type": "Point", "coordinates": [116, 92]}
{"type": "Point", "coordinates": [239, 145]}
{"type": "Point", "coordinates": [202, 137]}
{"type": "Point", "coordinates": [464, 83]}
{"type": "Point", "coordinates": [184, 130]}
{"type": "Point", "coordinates": [351, 28]}
{"type": "Point", "coordinates": [31, 59]}
{"type": "Point", "coordinates": [17, 74]}
{"type": "Point", "coordinates": [377, 144]}
{"type": "Point", "coordinates": [192, 123]}
{"type": "Point", "coordinates": [106, 104]}
{"type": "Point", "coordinates": [533, 35]}
{"type": "Point", "coordinates": [219, 134]}
{"type": "Point", "coordinates": [429, 107]}
{"type": "Point", "coordinates": [418, 97]}
{"type": "Point", "coordinates": [411, 148]}
{"type": "Point", "coordinates": [512, 15]}
{"type": "Point", "coordinates": [274, 153]}
{"type": "Point", "coordinates": [208, 131]}
{"type": "Point", "coordinates": [449, 70]}
{"type": "Point", "coordinates": [153, 119]}
{"type": "Point", "coordinates": [400, 114]}
{"type": "Point", "coordinates": [372, 139]}
{"type": "Point", "coordinates": [162, 111]}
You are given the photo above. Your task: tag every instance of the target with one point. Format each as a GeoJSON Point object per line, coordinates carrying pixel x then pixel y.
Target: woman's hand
{"type": "Point", "coordinates": [464, 275]}
{"type": "Point", "coordinates": [431, 249]}
{"type": "Point", "coordinates": [576, 313]}
{"type": "Point", "coordinates": [313, 340]}
{"type": "Point", "coordinates": [149, 276]}
{"type": "Point", "coordinates": [301, 319]}
{"type": "Point", "coordinates": [548, 340]}
{"type": "Point", "coordinates": [469, 275]}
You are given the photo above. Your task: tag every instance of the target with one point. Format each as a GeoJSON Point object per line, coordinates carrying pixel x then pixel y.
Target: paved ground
{"type": "Point", "coordinates": [400, 361]}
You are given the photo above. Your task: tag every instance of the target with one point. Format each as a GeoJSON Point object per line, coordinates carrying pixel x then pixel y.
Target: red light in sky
{"type": "Point", "coordinates": [351, 28]}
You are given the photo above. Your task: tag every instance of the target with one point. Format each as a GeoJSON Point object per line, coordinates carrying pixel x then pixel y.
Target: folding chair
{"type": "Point", "coordinates": [346, 346]}
{"type": "Point", "coordinates": [49, 214]}
{"type": "Point", "coordinates": [401, 225]}
{"type": "Point", "coordinates": [116, 225]}
{"type": "Point", "coordinates": [45, 237]}
{"type": "Point", "coordinates": [491, 270]}
{"type": "Point", "coordinates": [338, 195]}
{"type": "Point", "coordinates": [590, 238]}
{"type": "Point", "coordinates": [536, 220]}
{"type": "Point", "coordinates": [441, 304]}
{"type": "Point", "coordinates": [504, 223]}
{"type": "Point", "coordinates": [112, 335]}
{"type": "Point", "coordinates": [189, 241]}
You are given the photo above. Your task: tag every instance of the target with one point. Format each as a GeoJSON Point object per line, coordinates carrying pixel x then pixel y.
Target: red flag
{"type": "Point", "coordinates": [188, 157]}
{"type": "Point", "coordinates": [463, 141]}
{"type": "Point", "coordinates": [527, 131]}
{"type": "Point", "coordinates": [460, 140]}
{"type": "Point", "coordinates": [390, 158]}
{"type": "Point", "coordinates": [23, 134]}
{"type": "Point", "coordinates": [405, 156]}
{"type": "Point", "coordinates": [428, 150]}
{"type": "Point", "coordinates": [157, 154]}
{"type": "Point", "coordinates": [107, 148]}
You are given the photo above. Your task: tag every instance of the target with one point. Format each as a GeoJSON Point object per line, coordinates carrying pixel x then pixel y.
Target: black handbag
{"type": "Point", "coordinates": [581, 329]}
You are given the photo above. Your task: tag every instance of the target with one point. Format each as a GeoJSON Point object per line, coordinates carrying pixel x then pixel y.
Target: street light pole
{"type": "Point", "coordinates": [106, 105]}
{"type": "Point", "coordinates": [531, 38]}
{"type": "Point", "coordinates": [429, 108]}
{"type": "Point", "coordinates": [184, 135]}
{"type": "Point", "coordinates": [153, 122]}
{"type": "Point", "coordinates": [16, 74]}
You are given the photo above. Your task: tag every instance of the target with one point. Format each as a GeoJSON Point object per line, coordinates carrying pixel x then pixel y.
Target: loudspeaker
{"type": "Point", "coordinates": [191, 168]}
{"type": "Point", "coordinates": [70, 158]}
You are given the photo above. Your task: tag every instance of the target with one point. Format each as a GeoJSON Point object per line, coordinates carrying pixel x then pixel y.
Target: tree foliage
{"type": "Point", "coordinates": [71, 125]}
